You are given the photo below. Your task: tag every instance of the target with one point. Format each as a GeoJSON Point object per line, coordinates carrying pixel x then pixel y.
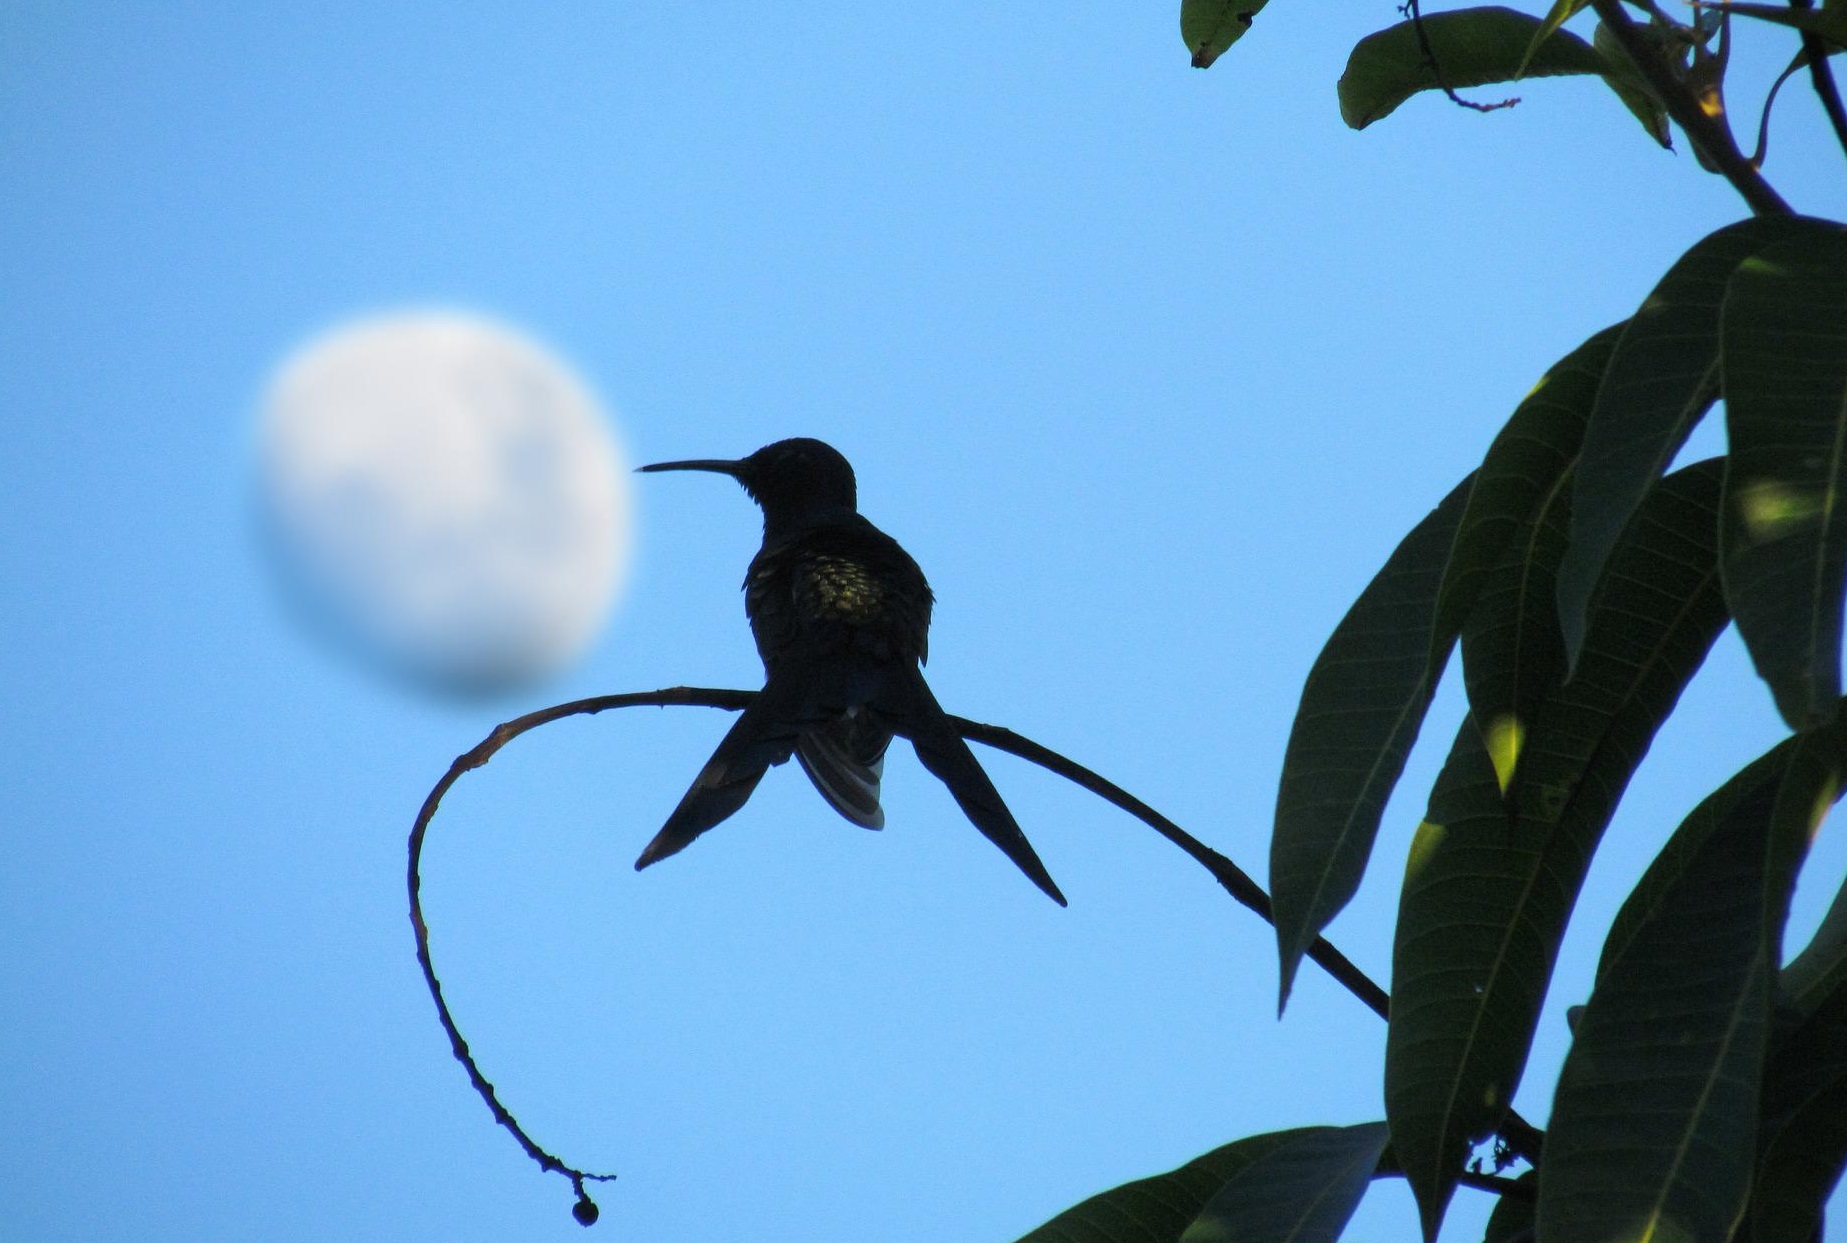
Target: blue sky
{"type": "Point", "coordinates": [1149, 368]}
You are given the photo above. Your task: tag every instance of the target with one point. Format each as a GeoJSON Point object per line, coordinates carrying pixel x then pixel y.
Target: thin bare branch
{"type": "Point", "coordinates": [1235, 881]}
{"type": "Point", "coordinates": [585, 1210]}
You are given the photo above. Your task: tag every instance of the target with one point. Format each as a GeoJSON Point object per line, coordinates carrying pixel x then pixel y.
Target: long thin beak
{"type": "Point", "coordinates": [714, 465]}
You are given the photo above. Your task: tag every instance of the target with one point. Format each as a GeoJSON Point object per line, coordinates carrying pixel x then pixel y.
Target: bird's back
{"type": "Point", "coordinates": [839, 611]}
{"type": "Point", "coordinates": [842, 594]}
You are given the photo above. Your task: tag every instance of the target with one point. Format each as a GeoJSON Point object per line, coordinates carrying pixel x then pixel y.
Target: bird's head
{"type": "Point", "coordinates": [799, 480]}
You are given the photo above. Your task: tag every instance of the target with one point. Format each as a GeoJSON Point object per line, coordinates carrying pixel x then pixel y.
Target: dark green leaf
{"type": "Point", "coordinates": [1490, 884]}
{"type": "Point", "coordinates": [1517, 490]}
{"type": "Point", "coordinates": [1512, 657]}
{"type": "Point", "coordinates": [1468, 870]}
{"type": "Point", "coordinates": [1211, 26]}
{"type": "Point", "coordinates": [1360, 712]}
{"type": "Point", "coordinates": [1532, 452]}
{"type": "Point", "coordinates": [1803, 1138]}
{"type": "Point", "coordinates": [1661, 379]}
{"type": "Point", "coordinates": [1368, 692]}
{"type": "Point", "coordinates": [1784, 538]}
{"type": "Point", "coordinates": [1659, 612]}
{"type": "Point", "coordinates": [1715, 810]}
{"type": "Point", "coordinates": [1301, 1191]}
{"type": "Point", "coordinates": [1473, 47]}
{"type": "Point", "coordinates": [1157, 1209]}
{"type": "Point", "coordinates": [1653, 1127]}
{"type": "Point", "coordinates": [1813, 973]}
{"type": "Point", "coordinates": [1512, 1219]}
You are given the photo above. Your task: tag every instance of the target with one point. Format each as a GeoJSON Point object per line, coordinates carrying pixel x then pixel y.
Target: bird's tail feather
{"type": "Point", "coordinates": [760, 737]}
{"type": "Point", "coordinates": [912, 711]}
{"type": "Point", "coordinates": [845, 762]}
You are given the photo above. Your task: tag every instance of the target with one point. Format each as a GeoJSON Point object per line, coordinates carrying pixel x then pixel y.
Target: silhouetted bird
{"type": "Point", "coordinates": [841, 615]}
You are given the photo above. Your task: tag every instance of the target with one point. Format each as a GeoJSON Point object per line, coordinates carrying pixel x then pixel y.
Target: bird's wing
{"type": "Point", "coordinates": [908, 707]}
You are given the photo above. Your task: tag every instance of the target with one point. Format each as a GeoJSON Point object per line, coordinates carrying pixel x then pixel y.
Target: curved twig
{"type": "Point", "coordinates": [585, 1210]}
{"type": "Point", "coordinates": [1522, 1138]}
{"type": "Point", "coordinates": [1415, 11]}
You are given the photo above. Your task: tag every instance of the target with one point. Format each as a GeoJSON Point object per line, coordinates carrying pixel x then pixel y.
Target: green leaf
{"type": "Point", "coordinates": [1532, 452]}
{"type": "Point", "coordinates": [1512, 657]}
{"type": "Point", "coordinates": [1811, 974]}
{"type": "Point", "coordinates": [1157, 1209]}
{"type": "Point", "coordinates": [1658, 615]}
{"type": "Point", "coordinates": [1211, 26]}
{"type": "Point", "coordinates": [1367, 694]}
{"type": "Point", "coordinates": [1628, 84]}
{"type": "Point", "coordinates": [1361, 709]}
{"type": "Point", "coordinates": [1561, 12]}
{"type": "Point", "coordinates": [1803, 1137]}
{"type": "Point", "coordinates": [1520, 477]}
{"type": "Point", "coordinates": [1821, 968]}
{"type": "Point", "coordinates": [1714, 811]}
{"type": "Point", "coordinates": [1783, 342]}
{"type": "Point", "coordinates": [1301, 1191]}
{"type": "Point", "coordinates": [1473, 47]}
{"type": "Point", "coordinates": [1490, 884]}
{"type": "Point", "coordinates": [1661, 380]}
{"type": "Point", "coordinates": [1653, 1127]}
{"type": "Point", "coordinates": [1445, 1072]}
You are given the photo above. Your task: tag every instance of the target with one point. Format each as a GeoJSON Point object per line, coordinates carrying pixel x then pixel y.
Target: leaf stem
{"type": "Point", "coordinates": [1822, 76]}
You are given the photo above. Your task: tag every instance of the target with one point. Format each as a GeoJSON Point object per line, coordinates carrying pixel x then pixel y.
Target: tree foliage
{"type": "Point", "coordinates": [1584, 580]}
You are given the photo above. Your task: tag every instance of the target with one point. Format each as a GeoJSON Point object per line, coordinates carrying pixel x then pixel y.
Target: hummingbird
{"type": "Point", "coordinates": [841, 617]}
